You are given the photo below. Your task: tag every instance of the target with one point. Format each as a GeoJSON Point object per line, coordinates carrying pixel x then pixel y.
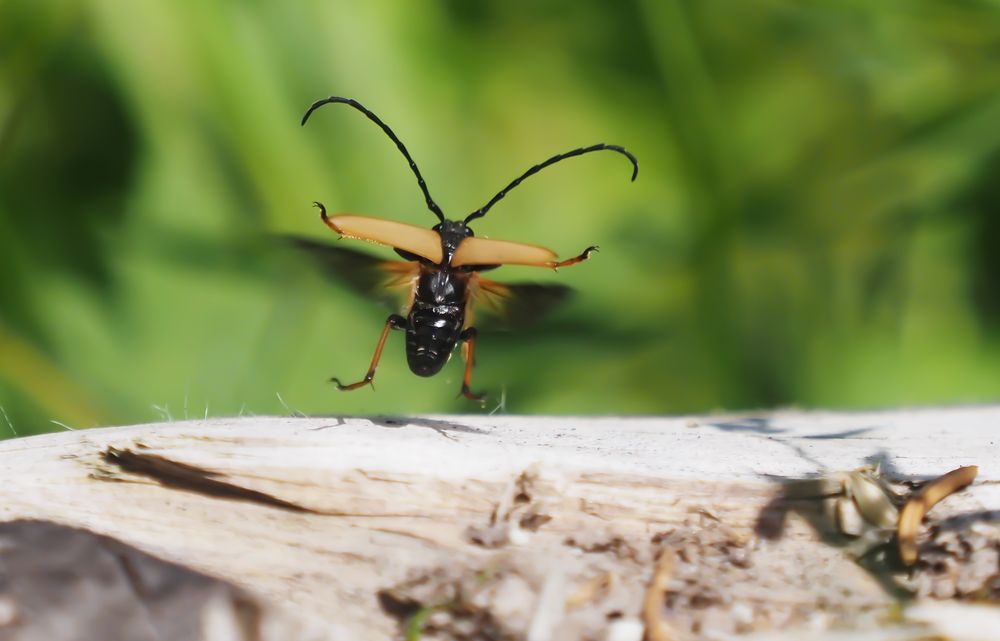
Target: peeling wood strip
{"type": "Point", "coordinates": [189, 478]}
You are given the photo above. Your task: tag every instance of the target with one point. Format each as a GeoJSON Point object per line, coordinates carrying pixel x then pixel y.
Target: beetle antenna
{"type": "Point", "coordinates": [551, 161]}
{"type": "Point", "coordinates": [433, 206]}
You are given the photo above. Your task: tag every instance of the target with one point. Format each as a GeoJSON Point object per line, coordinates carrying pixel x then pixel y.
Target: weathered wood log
{"type": "Point", "coordinates": [501, 527]}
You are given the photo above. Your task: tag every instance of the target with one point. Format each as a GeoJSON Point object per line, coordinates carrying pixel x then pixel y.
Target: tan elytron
{"type": "Point", "coordinates": [416, 240]}
{"type": "Point", "coordinates": [426, 243]}
{"type": "Point", "coordinates": [486, 251]}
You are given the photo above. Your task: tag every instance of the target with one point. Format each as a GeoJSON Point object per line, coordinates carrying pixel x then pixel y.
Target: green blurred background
{"type": "Point", "coordinates": [815, 220]}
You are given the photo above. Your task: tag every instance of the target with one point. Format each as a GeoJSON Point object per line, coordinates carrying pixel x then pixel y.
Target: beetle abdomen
{"type": "Point", "coordinates": [435, 321]}
{"type": "Point", "coordinates": [431, 335]}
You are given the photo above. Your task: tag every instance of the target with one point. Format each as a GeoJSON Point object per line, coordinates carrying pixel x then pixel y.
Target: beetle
{"type": "Point", "coordinates": [441, 266]}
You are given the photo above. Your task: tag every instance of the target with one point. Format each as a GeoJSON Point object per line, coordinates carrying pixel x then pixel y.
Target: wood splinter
{"type": "Point", "coordinates": [590, 589]}
{"type": "Point", "coordinates": [657, 629]}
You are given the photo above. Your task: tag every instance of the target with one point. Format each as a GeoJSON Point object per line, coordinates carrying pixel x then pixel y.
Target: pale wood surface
{"type": "Point", "coordinates": [412, 488]}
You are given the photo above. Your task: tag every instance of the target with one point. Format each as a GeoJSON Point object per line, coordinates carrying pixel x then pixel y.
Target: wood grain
{"type": "Point", "coordinates": [400, 515]}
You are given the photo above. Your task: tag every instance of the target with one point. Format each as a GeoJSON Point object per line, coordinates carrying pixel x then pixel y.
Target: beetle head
{"type": "Point", "coordinates": [452, 232]}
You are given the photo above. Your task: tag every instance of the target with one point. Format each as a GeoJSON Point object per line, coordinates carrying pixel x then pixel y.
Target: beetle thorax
{"type": "Point", "coordinates": [452, 233]}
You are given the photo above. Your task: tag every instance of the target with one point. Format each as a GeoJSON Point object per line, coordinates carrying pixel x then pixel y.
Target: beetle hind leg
{"type": "Point", "coordinates": [468, 351]}
{"type": "Point", "coordinates": [584, 255]}
{"type": "Point", "coordinates": [394, 321]}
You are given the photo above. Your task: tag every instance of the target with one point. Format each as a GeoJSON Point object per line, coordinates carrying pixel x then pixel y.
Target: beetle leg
{"type": "Point", "coordinates": [394, 321]}
{"type": "Point", "coordinates": [576, 259]}
{"type": "Point", "coordinates": [468, 351]}
{"type": "Point", "coordinates": [322, 214]}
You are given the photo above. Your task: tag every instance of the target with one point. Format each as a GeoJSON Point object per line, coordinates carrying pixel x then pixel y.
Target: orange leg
{"type": "Point", "coordinates": [469, 351]}
{"type": "Point", "coordinates": [393, 322]}
{"type": "Point", "coordinates": [322, 214]}
{"type": "Point", "coordinates": [576, 259]}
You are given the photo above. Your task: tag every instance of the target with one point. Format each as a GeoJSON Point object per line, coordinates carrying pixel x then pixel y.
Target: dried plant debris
{"type": "Point", "coordinates": [702, 579]}
{"type": "Point", "coordinates": [865, 506]}
{"type": "Point", "coordinates": [922, 501]}
{"type": "Point", "coordinates": [958, 558]}
{"type": "Point", "coordinates": [456, 604]}
{"type": "Point", "coordinates": [861, 505]}
{"type": "Point", "coordinates": [592, 590]}
{"type": "Point", "coordinates": [58, 582]}
{"type": "Point", "coordinates": [555, 594]}
{"type": "Point", "coordinates": [708, 560]}
{"type": "Point", "coordinates": [600, 542]}
{"type": "Point", "coordinates": [519, 511]}
{"type": "Point", "coordinates": [726, 581]}
{"type": "Point", "coordinates": [685, 580]}
{"type": "Point", "coordinates": [657, 629]}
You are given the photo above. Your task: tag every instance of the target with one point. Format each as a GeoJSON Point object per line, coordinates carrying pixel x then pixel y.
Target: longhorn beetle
{"type": "Point", "coordinates": [441, 266]}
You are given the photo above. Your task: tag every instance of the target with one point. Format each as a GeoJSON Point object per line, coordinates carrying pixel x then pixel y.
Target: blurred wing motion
{"type": "Point", "coordinates": [514, 305]}
{"type": "Point", "coordinates": [365, 274]}
{"type": "Point", "coordinates": [507, 306]}
{"type": "Point", "coordinates": [486, 251]}
{"type": "Point", "coordinates": [416, 240]}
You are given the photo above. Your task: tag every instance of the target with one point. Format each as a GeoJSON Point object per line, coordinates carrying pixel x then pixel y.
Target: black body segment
{"type": "Point", "coordinates": [436, 319]}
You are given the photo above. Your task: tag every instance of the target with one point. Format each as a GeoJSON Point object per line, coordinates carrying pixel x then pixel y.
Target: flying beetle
{"type": "Point", "coordinates": [441, 266]}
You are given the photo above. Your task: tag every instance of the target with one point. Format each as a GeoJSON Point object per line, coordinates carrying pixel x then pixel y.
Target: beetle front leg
{"type": "Point", "coordinates": [576, 259]}
{"type": "Point", "coordinates": [468, 351]}
{"type": "Point", "coordinates": [394, 321]}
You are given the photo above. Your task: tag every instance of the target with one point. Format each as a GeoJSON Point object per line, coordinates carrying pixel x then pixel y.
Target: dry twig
{"type": "Point", "coordinates": [920, 503]}
{"type": "Point", "coordinates": [652, 604]}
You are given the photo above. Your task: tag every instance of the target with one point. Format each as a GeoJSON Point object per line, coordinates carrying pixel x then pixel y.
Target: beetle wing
{"type": "Point", "coordinates": [365, 274]}
{"type": "Point", "coordinates": [487, 251]}
{"type": "Point", "coordinates": [514, 305]}
{"type": "Point", "coordinates": [416, 240]}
